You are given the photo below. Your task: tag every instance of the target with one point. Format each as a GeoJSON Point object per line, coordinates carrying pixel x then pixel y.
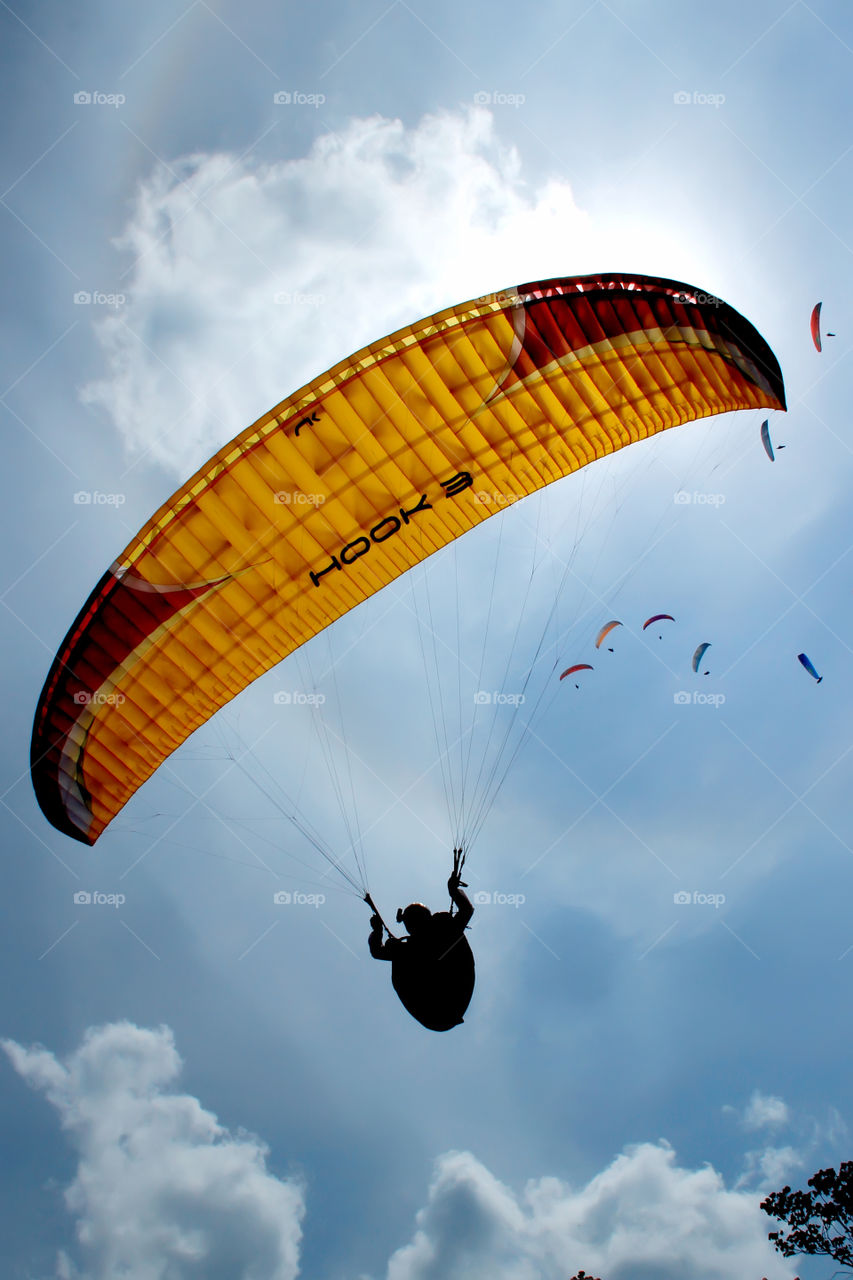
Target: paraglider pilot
{"type": "Point", "coordinates": [432, 968]}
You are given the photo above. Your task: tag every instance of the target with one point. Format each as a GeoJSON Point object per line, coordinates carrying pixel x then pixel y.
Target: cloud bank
{"type": "Point", "coordinates": [162, 1191]}
{"type": "Point", "coordinates": [643, 1218]}
{"type": "Point", "coordinates": [246, 280]}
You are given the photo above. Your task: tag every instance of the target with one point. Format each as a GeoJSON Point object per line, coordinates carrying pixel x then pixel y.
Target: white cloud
{"type": "Point", "coordinates": [770, 1168]}
{"type": "Point", "coordinates": [765, 1112]}
{"type": "Point", "coordinates": [378, 226]}
{"type": "Point", "coordinates": [161, 1189]}
{"type": "Point", "coordinates": [643, 1218]}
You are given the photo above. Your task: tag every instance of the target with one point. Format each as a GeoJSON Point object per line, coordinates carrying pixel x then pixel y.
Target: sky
{"type": "Point", "coordinates": [203, 207]}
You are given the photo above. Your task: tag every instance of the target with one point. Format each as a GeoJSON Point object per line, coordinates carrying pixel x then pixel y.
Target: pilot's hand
{"type": "Point", "coordinates": [456, 882]}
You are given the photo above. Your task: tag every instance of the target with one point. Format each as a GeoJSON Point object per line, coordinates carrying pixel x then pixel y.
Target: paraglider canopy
{"type": "Point", "coordinates": [699, 655]}
{"type": "Point", "coordinates": [806, 661]}
{"type": "Point", "coordinates": [658, 617]}
{"type": "Point", "coordinates": [605, 632]}
{"type": "Point", "coordinates": [579, 666]}
{"type": "Point", "coordinates": [526, 385]}
{"type": "Point", "coordinates": [765, 440]}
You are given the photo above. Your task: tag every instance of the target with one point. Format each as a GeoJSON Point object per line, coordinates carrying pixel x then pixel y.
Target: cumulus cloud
{"type": "Point", "coordinates": [770, 1167]}
{"type": "Point", "coordinates": [642, 1218]}
{"type": "Point", "coordinates": [244, 280]}
{"type": "Point", "coordinates": [161, 1189]}
{"type": "Point", "coordinates": [765, 1112]}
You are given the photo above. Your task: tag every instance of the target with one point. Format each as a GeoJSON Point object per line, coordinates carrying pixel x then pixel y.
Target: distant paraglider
{"type": "Point", "coordinates": [579, 666]}
{"type": "Point", "coordinates": [815, 326]}
{"type": "Point", "coordinates": [658, 617]}
{"type": "Point", "coordinates": [699, 655]}
{"type": "Point", "coordinates": [605, 632]}
{"type": "Point", "coordinates": [805, 660]}
{"type": "Point", "coordinates": [766, 441]}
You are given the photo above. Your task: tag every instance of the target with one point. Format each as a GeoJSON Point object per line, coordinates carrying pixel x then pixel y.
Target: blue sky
{"type": "Point", "coordinates": [226, 1087]}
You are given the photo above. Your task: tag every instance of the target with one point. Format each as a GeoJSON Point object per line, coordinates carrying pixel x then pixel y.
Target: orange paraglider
{"type": "Point", "coordinates": [379, 461]}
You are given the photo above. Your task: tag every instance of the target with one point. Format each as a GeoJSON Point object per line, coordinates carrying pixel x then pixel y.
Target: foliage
{"type": "Point", "coordinates": [821, 1220]}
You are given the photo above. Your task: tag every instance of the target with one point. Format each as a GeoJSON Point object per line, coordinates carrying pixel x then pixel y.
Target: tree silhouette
{"type": "Point", "coordinates": [821, 1220]}
{"type": "Point", "coordinates": [581, 1275]}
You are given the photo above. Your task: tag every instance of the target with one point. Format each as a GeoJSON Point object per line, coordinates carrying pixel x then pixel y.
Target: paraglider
{"type": "Point", "coordinates": [388, 449]}
{"type": "Point", "coordinates": [432, 968]}
{"type": "Point", "coordinates": [658, 617]}
{"type": "Point", "coordinates": [699, 655]}
{"type": "Point", "coordinates": [765, 440]}
{"type": "Point", "coordinates": [579, 666]}
{"type": "Point", "coordinates": [814, 325]}
{"type": "Point", "coordinates": [605, 632]}
{"type": "Point", "coordinates": [808, 666]}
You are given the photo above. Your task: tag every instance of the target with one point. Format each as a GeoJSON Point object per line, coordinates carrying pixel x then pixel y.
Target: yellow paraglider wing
{"type": "Point", "coordinates": [352, 481]}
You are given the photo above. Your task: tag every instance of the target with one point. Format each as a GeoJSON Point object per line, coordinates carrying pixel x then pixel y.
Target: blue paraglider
{"type": "Point", "coordinates": [804, 659]}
